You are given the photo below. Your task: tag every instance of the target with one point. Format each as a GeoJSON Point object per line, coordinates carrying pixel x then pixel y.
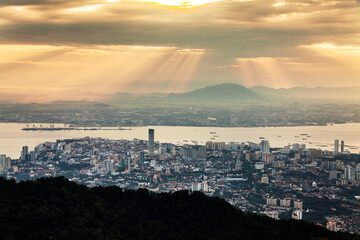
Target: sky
{"type": "Point", "coordinates": [85, 49]}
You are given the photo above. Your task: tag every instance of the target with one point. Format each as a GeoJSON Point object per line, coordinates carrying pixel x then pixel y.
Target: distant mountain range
{"type": "Point", "coordinates": [226, 93]}
{"type": "Point", "coordinates": [230, 93]}
{"type": "Point", "coordinates": [348, 94]}
{"type": "Point", "coordinates": [222, 94]}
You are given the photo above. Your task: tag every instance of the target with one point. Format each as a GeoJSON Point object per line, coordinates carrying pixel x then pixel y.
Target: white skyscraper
{"type": "Point", "coordinates": [108, 165]}
{"type": "Point", "coordinates": [264, 146]}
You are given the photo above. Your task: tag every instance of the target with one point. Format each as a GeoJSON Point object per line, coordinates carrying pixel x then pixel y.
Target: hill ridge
{"type": "Point", "coordinates": [59, 209]}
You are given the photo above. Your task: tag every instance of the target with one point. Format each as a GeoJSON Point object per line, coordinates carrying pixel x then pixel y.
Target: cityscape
{"type": "Point", "coordinates": [283, 183]}
{"type": "Point", "coordinates": [94, 114]}
{"type": "Point", "coordinates": [180, 120]}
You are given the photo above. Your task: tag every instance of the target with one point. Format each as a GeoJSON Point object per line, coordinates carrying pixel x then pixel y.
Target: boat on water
{"type": "Point", "coordinates": [212, 132]}
{"type": "Point", "coordinates": [261, 138]}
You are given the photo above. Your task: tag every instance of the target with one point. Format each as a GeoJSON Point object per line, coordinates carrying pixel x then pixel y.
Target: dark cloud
{"type": "Point", "coordinates": [231, 40]}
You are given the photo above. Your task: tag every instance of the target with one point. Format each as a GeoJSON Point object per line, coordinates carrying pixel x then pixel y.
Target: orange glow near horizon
{"type": "Point", "coordinates": [181, 3]}
{"type": "Point", "coordinates": [263, 71]}
{"type": "Point", "coordinates": [97, 69]}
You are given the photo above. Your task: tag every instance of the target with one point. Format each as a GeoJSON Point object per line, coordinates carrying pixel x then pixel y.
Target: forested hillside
{"type": "Point", "coordinates": [54, 208]}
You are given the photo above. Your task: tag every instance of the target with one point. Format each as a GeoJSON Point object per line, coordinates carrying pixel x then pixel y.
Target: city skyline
{"type": "Point", "coordinates": [60, 48]}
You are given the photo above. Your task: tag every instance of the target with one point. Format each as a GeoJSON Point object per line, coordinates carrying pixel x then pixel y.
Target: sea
{"type": "Point", "coordinates": [12, 137]}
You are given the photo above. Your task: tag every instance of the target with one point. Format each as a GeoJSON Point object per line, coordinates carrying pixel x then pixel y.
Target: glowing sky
{"type": "Point", "coordinates": [56, 49]}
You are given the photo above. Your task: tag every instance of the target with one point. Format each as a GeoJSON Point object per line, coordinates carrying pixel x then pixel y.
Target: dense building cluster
{"type": "Point", "coordinates": [247, 115]}
{"type": "Point", "coordinates": [289, 182]}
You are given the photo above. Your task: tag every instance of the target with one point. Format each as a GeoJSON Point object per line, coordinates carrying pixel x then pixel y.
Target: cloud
{"type": "Point", "coordinates": [264, 32]}
{"type": "Point", "coordinates": [36, 2]}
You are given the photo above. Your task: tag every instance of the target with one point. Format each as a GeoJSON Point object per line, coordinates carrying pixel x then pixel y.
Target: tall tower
{"type": "Point", "coordinates": [342, 146]}
{"type": "Point", "coordinates": [264, 146]}
{"type": "Point", "coordinates": [151, 141]}
{"type": "Point", "coordinates": [336, 151]}
{"type": "Point", "coordinates": [24, 152]}
{"type": "Point", "coordinates": [129, 164]}
{"type": "Point", "coordinates": [108, 165]}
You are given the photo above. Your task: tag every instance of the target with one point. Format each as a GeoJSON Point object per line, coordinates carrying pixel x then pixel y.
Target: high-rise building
{"type": "Point", "coordinates": [296, 147]}
{"type": "Point", "coordinates": [350, 173]}
{"type": "Point", "coordinates": [336, 151]}
{"type": "Point", "coordinates": [271, 201]}
{"type": "Point", "coordinates": [32, 156]}
{"type": "Point", "coordinates": [238, 164]}
{"type": "Point", "coordinates": [215, 146]}
{"type": "Point", "coordinates": [264, 146]}
{"type": "Point", "coordinates": [297, 214]}
{"type": "Point", "coordinates": [108, 165]}
{"type": "Point", "coordinates": [298, 204]}
{"type": "Point", "coordinates": [24, 152]}
{"type": "Point", "coordinates": [286, 202]}
{"type": "Point", "coordinates": [151, 141]}
{"type": "Point", "coordinates": [141, 158]}
{"type": "Point", "coordinates": [342, 146]}
{"type": "Point", "coordinates": [5, 162]}
{"type": "Point", "coordinates": [129, 164]}
{"type": "Point", "coordinates": [2, 162]}
{"type": "Point", "coordinates": [203, 187]}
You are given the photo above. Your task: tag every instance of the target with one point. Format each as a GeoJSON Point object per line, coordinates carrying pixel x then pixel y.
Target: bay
{"type": "Point", "coordinates": [12, 138]}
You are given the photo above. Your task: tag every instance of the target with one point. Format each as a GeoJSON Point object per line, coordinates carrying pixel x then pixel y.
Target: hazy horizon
{"type": "Point", "coordinates": [349, 94]}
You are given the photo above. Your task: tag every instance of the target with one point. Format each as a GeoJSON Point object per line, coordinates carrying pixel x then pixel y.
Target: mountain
{"type": "Point", "coordinates": [347, 94]}
{"type": "Point", "coordinates": [226, 93]}
{"type": "Point", "coordinates": [55, 208]}
{"type": "Point", "coordinates": [223, 93]}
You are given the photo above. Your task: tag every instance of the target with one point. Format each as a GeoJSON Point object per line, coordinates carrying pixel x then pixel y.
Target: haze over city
{"type": "Point", "coordinates": [59, 49]}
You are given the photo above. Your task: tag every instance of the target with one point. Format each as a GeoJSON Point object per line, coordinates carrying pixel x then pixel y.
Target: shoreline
{"type": "Point", "coordinates": [128, 127]}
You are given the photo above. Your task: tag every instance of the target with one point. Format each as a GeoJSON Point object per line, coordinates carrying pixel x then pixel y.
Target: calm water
{"type": "Point", "coordinates": [12, 138]}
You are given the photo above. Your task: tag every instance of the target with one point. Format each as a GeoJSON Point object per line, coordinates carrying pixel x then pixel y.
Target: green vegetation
{"type": "Point", "coordinates": [55, 208]}
{"type": "Point", "coordinates": [321, 207]}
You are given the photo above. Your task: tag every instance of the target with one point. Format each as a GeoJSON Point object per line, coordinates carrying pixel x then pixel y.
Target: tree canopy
{"type": "Point", "coordinates": [55, 208]}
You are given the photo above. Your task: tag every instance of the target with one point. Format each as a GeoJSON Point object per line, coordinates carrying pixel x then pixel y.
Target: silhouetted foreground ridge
{"type": "Point", "coordinates": [54, 208]}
